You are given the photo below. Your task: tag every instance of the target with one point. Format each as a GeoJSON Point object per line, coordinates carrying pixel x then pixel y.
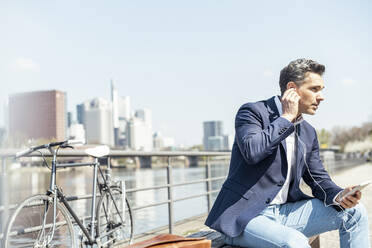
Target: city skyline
{"type": "Point", "coordinates": [191, 61]}
{"type": "Point", "coordinates": [43, 115]}
{"type": "Point", "coordinates": [73, 116]}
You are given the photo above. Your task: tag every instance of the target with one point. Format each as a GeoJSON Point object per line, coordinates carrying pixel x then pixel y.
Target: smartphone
{"type": "Point", "coordinates": [357, 188]}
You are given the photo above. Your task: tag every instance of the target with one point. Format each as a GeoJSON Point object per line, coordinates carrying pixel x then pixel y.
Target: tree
{"type": "Point", "coordinates": [324, 138]}
{"type": "Point", "coordinates": [342, 136]}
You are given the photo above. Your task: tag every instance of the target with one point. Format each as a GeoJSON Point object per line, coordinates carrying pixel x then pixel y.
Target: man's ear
{"type": "Point", "coordinates": [291, 85]}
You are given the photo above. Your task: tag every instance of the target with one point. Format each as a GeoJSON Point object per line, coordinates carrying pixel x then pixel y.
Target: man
{"type": "Point", "coordinates": [260, 203]}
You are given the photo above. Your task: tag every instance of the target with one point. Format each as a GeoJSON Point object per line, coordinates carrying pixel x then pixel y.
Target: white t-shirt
{"type": "Point", "coordinates": [282, 196]}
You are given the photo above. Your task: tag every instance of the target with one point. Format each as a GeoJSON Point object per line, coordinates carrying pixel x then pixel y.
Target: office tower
{"type": "Point", "coordinates": [114, 103]}
{"type": "Point", "coordinates": [115, 114]}
{"type": "Point", "coordinates": [215, 143]}
{"type": "Point", "coordinates": [38, 115]}
{"type": "Point", "coordinates": [139, 135]}
{"type": "Point", "coordinates": [160, 142]}
{"type": "Point", "coordinates": [124, 113]}
{"type": "Point", "coordinates": [124, 108]}
{"type": "Point", "coordinates": [77, 132]}
{"type": "Point", "coordinates": [144, 115]}
{"type": "Point", "coordinates": [213, 132]}
{"type": "Point", "coordinates": [6, 117]}
{"type": "Point", "coordinates": [122, 132]}
{"type": "Point", "coordinates": [157, 141]}
{"type": "Point", "coordinates": [80, 112]}
{"type": "Point", "coordinates": [228, 141]}
{"type": "Point", "coordinates": [139, 131]}
{"type": "Point", "coordinates": [69, 119]}
{"type": "Point", "coordinates": [98, 122]}
{"type": "Point", "coordinates": [2, 135]}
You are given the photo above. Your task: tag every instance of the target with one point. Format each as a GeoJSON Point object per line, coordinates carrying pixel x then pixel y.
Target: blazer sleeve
{"type": "Point", "coordinates": [317, 177]}
{"type": "Point", "coordinates": [255, 141]}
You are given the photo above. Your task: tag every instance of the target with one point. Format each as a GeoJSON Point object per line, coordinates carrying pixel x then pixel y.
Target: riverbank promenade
{"type": "Point", "coordinates": [347, 177]}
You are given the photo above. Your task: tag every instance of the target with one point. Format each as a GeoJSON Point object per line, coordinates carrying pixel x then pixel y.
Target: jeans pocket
{"type": "Point", "coordinates": [228, 240]}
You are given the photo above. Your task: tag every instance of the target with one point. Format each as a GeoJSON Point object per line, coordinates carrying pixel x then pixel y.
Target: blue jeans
{"type": "Point", "coordinates": [290, 225]}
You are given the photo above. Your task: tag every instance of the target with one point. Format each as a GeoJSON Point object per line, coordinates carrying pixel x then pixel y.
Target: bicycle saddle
{"type": "Point", "coordinates": [98, 151]}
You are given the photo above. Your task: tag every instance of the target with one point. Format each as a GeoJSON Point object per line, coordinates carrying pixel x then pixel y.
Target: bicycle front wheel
{"type": "Point", "coordinates": [31, 225]}
{"type": "Point", "coordinates": [114, 226]}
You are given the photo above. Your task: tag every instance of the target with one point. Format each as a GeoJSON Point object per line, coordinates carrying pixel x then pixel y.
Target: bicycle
{"type": "Point", "coordinates": [45, 220]}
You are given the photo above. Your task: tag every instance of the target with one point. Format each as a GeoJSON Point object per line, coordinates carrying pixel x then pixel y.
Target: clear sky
{"type": "Point", "coordinates": [188, 61]}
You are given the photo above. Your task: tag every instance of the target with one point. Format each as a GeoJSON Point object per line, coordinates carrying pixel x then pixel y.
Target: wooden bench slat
{"type": "Point", "coordinates": [218, 240]}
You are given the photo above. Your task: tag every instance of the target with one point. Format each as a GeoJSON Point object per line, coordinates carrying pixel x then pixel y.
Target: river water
{"type": "Point", "coordinates": [26, 181]}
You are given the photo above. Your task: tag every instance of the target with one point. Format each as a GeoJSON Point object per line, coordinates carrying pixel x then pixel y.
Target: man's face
{"type": "Point", "coordinates": [311, 94]}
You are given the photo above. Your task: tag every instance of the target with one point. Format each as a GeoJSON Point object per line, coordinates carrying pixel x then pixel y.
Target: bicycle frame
{"type": "Point", "coordinates": [55, 191]}
{"type": "Point", "coordinates": [107, 209]}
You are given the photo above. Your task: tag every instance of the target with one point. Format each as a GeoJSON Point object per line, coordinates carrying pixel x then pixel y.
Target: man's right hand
{"type": "Point", "coordinates": [290, 100]}
{"type": "Point", "coordinates": [348, 201]}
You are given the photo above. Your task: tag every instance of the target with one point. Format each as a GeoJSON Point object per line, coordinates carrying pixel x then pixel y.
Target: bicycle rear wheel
{"type": "Point", "coordinates": [110, 227]}
{"type": "Point", "coordinates": [26, 227]}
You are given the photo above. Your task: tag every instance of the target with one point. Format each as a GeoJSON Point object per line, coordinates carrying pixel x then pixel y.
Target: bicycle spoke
{"type": "Point", "coordinates": [110, 225]}
{"type": "Point", "coordinates": [32, 225]}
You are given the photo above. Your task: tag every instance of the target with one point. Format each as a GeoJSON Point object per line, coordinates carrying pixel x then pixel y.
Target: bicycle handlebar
{"type": "Point", "coordinates": [22, 153]}
{"type": "Point", "coordinates": [52, 144]}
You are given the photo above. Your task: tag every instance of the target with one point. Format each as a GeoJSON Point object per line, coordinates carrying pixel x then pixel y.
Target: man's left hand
{"type": "Point", "coordinates": [349, 201]}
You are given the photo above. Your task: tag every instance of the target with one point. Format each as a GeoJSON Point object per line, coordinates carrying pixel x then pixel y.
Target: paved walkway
{"type": "Point", "coordinates": [330, 239]}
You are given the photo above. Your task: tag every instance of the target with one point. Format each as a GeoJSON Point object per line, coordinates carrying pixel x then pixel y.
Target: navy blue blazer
{"type": "Point", "coordinates": [258, 167]}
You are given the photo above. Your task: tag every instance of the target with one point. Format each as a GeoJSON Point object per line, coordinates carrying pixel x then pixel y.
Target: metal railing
{"type": "Point", "coordinates": [170, 185]}
{"type": "Point", "coordinates": [332, 165]}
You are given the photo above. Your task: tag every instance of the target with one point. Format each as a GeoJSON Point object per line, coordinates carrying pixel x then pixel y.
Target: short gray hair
{"type": "Point", "coordinates": [296, 71]}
